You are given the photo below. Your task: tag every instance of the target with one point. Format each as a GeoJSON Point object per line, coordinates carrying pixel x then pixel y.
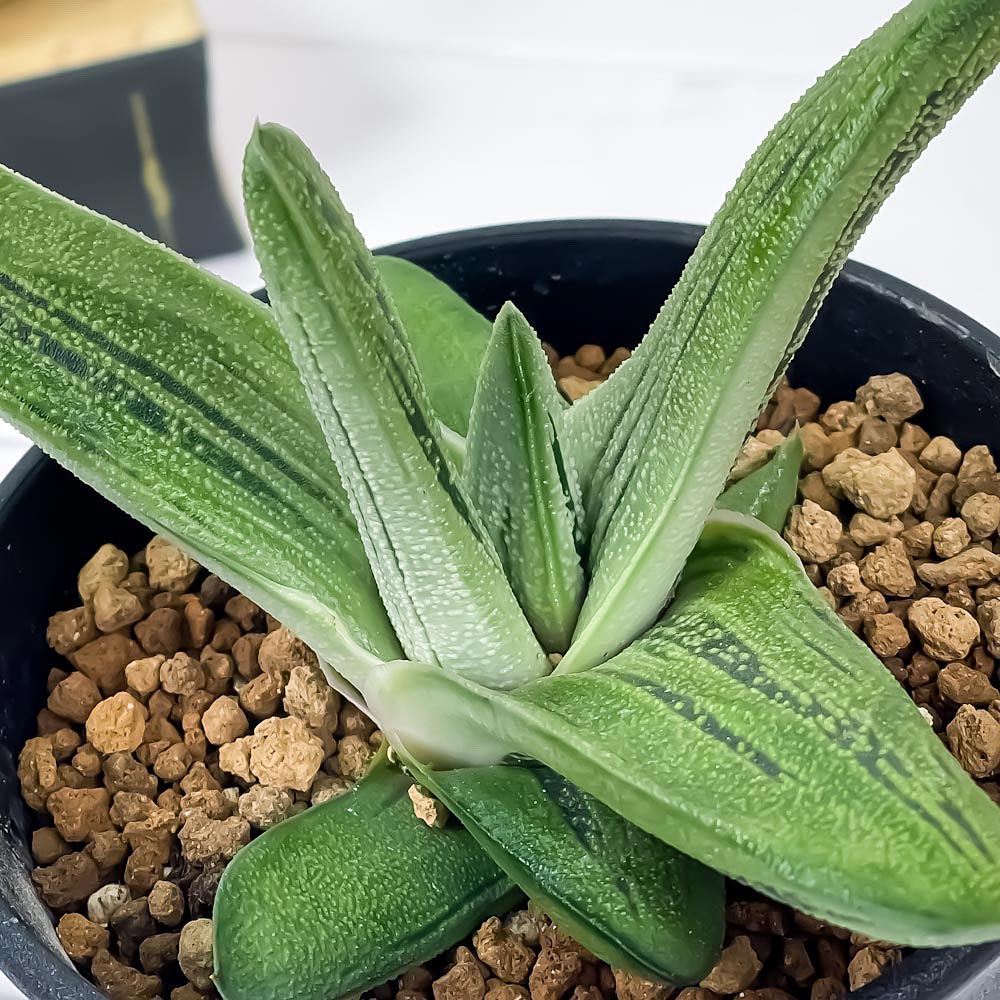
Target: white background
{"type": "Point", "coordinates": [448, 113]}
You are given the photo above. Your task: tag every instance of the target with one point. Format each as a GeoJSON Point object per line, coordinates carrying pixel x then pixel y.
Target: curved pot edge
{"type": "Point", "coordinates": [879, 282]}
{"type": "Point", "coordinates": [925, 974]}
{"type": "Point", "coordinates": [45, 975]}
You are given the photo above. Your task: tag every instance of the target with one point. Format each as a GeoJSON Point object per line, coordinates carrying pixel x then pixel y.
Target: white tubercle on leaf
{"type": "Point", "coordinates": [519, 481]}
{"type": "Point", "coordinates": [655, 444]}
{"type": "Point", "coordinates": [437, 571]}
{"type": "Point", "coordinates": [174, 395]}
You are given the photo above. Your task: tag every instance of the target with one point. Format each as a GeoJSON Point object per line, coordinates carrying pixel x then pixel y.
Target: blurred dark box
{"type": "Point", "coordinates": [105, 102]}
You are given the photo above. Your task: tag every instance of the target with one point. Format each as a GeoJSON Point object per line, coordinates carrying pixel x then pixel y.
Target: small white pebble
{"type": "Point", "coordinates": [103, 903]}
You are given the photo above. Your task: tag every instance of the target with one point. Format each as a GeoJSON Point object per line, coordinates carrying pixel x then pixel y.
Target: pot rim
{"type": "Point", "coordinates": [863, 276]}
{"type": "Point", "coordinates": [925, 974]}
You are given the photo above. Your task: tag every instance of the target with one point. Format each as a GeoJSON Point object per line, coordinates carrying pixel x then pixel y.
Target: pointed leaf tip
{"type": "Point", "coordinates": [769, 492]}
{"type": "Point", "coordinates": [438, 573]}
{"type": "Point", "coordinates": [655, 444]}
{"type": "Point", "coordinates": [520, 482]}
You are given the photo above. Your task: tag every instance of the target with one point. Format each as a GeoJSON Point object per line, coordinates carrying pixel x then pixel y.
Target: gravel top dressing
{"type": "Point", "coordinates": [187, 722]}
{"type": "Point", "coordinates": [618, 683]}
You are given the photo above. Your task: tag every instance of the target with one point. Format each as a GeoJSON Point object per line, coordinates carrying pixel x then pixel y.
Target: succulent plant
{"type": "Point", "coordinates": [400, 483]}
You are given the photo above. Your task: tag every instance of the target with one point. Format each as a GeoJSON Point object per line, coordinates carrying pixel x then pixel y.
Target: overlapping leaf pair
{"type": "Point", "coordinates": [404, 488]}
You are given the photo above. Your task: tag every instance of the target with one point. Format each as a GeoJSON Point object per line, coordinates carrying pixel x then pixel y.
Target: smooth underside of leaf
{"type": "Point", "coordinates": [769, 492]}
{"type": "Point", "coordinates": [653, 445]}
{"type": "Point", "coordinates": [751, 730]}
{"type": "Point", "coordinates": [628, 897]}
{"type": "Point", "coordinates": [423, 712]}
{"type": "Point", "coordinates": [347, 895]}
{"type": "Point", "coordinates": [437, 571]}
{"type": "Point", "coordinates": [447, 335]}
{"type": "Point", "coordinates": [175, 396]}
{"type": "Point", "coordinates": [519, 483]}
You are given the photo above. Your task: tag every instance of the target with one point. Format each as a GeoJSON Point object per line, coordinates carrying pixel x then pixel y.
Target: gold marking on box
{"type": "Point", "coordinates": [153, 180]}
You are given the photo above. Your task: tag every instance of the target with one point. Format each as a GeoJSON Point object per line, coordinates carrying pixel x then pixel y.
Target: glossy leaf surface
{"type": "Point", "coordinates": [347, 895]}
{"type": "Point", "coordinates": [769, 492]}
{"type": "Point", "coordinates": [628, 897]}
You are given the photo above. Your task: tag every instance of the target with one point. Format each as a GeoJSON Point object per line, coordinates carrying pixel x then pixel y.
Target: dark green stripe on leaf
{"type": "Point", "coordinates": [348, 895]}
{"type": "Point", "coordinates": [625, 895]}
{"type": "Point", "coordinates": [764, 739]}
{"type": "Point", "coordinates": [174, 395]}
{"type": "Point", "coordinates": [653, 446]}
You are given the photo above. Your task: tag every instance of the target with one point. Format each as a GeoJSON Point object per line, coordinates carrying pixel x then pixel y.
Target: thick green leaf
{"type": "Point", "coordinates": [421, 710]}
{"type": "Point", "coordinates": [438, 574]}
{"type": "Point", "coordinates": [174, 394]}
{"type": "Point", "coordinates": [347, 895]}
{"type": "Point", "coordinates": [447, 335]}
{"type": "Point", "coordinates": [628, 897]}
{"type": "Point", "coordinates": [522, 488]}
{"type": "Point", "coordinates": [769, 492]}
{"type": "Point", "coordinates": [654, 444]}
{"type": "Point", "coordinates": [753, 731]}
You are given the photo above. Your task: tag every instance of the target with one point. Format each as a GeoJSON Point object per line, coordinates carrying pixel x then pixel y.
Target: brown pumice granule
{"type": "Point", "coordinates": [173, 737]}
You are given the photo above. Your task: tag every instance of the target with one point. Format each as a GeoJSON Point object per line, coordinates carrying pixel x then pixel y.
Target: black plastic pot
{"type": "Point", "coordinates": [578, 282]}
